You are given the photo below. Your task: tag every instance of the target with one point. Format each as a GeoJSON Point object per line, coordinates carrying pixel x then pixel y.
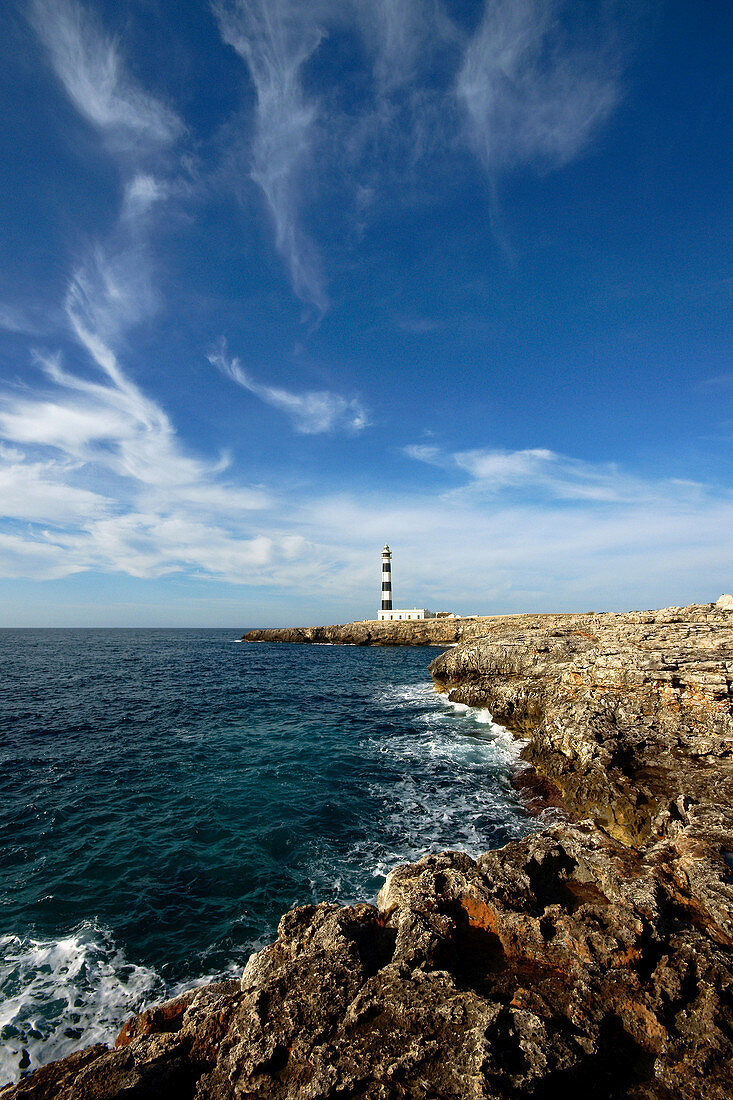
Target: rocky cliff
{"type": "Point", "coordinates": [592, 959]}
{"type": "Point", "coordinates": [372, 632]}
{"type": "Point", "coordinates": [439, 632]}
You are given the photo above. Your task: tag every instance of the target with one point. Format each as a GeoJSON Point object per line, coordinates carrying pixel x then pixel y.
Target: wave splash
{"type": "Point", "coordinates": [57, 995]}
{"type": "Point", "coordinates": [450, 786]}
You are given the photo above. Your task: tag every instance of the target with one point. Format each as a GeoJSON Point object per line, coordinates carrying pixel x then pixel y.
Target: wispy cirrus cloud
{"type": "Point", "coordinates": [26, 318]}
{"type": "Point", "coordinates": [112, 288]}
{"type": "Point", "coordinates": [97, 476]}
{"type": "Point", "coordinates": [532, 91]}
{"type": "Point", "coordinates": [142, 193]}
{"type": "Point", "coordinates": [718, 384]}
{"type": "Point", "coordinates": [110, 424]}
{"type": "Point", "coordinates": [40, 491]}
{"type": "Point", "coordinates": [311, 412]}
{"type": "Point", "coordinates": [91, 69]}
{"type": "Point", "coordinates": [529, 87]}
{"type": "Point", "coordinates": [276, 38]}
{"type": "Point", "coordinates": [403, 36]}
{"type": "Point", "coordinates": [538, 472]}
{"type": "Point", "coordinates": [152, 508]}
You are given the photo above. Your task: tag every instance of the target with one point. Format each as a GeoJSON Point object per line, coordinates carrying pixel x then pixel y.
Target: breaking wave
{"type": "Point", "coordinates": [59, 994]}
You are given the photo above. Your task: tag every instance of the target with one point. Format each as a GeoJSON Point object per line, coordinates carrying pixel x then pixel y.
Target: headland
{"type": "Point", "coordinates": [592, 958]}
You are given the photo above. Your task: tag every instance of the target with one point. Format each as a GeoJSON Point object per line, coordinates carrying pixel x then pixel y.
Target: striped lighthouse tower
{"type": "Point", "coordinates": [386, 579]}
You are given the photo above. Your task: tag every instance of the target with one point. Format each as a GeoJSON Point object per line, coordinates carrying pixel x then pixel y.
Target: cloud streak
{"type": "Point", "coordinates": [97, 477]}
{"type": "Point", "coordinates": [537, 530]}
{"type": "Point", "coordinates": [311, 413]}
{"type": "Point", "coordinates": [276, 38]}
{"type": "Point", "coordinates": [162, 511]}
{"type": "Point", "coordinates": [112, 289]}
{"type": "Point", "coordinates": [531, 93]}
{"type": "Point", "coordinates": [91, 69]}
{"type": "Point", "coordinates": [541, 473]}
{"type": "Point", "coordinates": [402, 37]}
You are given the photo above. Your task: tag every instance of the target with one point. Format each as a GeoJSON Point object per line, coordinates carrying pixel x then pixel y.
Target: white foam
{"type": "Point", "coordinates": [59, 995]}
{"type": "Point", "coordinates": [488, 742]}
{"type": "Point", "coordinates": [510, 744]}
{"type": "Point", "coordinates": [453, 788]}
{"type": "Point", "coordinates": [410, 695]}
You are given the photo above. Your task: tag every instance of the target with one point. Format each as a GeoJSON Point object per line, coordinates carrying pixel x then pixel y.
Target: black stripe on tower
{"type": "Point", "coordinates": [386, 580]}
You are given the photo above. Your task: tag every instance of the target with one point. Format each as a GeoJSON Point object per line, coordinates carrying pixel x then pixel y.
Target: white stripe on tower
{"type": "Point", "coordinates": [386, 579]}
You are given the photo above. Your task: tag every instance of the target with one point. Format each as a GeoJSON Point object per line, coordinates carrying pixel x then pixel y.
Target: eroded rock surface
{"type": "Point", "coordinates": [591, 959]}
{"type": "Point", "coordinates": [630, 714]}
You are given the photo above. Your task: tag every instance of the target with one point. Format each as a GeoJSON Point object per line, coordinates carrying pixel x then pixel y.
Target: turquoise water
{"type": "Point", "coordinates": [166, 795]}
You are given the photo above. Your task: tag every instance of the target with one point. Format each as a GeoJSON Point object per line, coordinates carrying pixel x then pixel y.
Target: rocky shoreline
{"type": "Point", "coordinates": [438, 632]}
{"type": "Point", "coordinates": [593, 958]}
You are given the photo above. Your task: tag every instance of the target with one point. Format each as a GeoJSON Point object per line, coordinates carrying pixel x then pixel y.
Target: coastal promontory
{"type": "Point", "coordinates": [592, 958]}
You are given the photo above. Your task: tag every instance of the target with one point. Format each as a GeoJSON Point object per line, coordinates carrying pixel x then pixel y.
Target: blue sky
{"type": "Point", "coordinates": [282, 280]}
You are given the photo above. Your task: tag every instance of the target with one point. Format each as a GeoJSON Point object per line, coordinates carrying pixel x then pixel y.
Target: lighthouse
{"type": "Point", "coordinates": [386, 578]}
{"type": "Point", "coordinates": [386, 614]}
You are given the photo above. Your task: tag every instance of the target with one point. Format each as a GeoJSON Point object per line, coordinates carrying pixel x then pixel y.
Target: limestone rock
{"type": "Point", "coordinates": [416, 632]}
{"type": "Point", "coordinates": [593, 959]}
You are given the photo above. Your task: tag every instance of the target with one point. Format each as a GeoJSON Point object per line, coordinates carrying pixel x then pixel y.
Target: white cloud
{"type": "Point", "coordinates": [112, 288]}
{"type": "Point", "coordinates": [14, 318]}
{"type": "Point", "coordinates": [89, 65]}
{"type": "Point", "coordinates": [424, 452]}
{"type": "Point", "coordinates": [402, 36]}
{"type": "Point", "coordinates": [25, 556]}
{"type": "Point", "coordinates": [114, 425]}
{"type": "Point", "coordinates": [539, 471]}
{"type": "Point", "coordinates": [29, 318]}
{"type": "Point", "coordinates": [69, 427]}
{"type": "Point", "coordinates": [142, 192]}
{"type": "Point", "coordinates": [529, 529]}
{"type": "Point", "coordinates": [159, 509]}
{"type": "Point", "coordinates": [503, 468]}
{"type": "Point", "coordinates": [311, 413]}
{"type": "Point", "coordinates": [151, 544]}
{"type": "Point", "coordinates": [162, 510]}
{"type": "Point", "coordinates": [276, 38]}
{"type": "Point", "coordinates": [530, 93]}
{"type": "Point", "coordinates": [38, 493]}
{"type": "Point", "coordinates": [468, 554]}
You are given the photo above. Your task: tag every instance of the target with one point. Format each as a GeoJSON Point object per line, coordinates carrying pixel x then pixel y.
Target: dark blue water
{"type": "Point", "coordinates": [166, 795]}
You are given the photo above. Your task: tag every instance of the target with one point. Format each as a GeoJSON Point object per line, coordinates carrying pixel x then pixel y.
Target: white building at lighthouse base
{"type": "Point", "coordinates": [401, 614]}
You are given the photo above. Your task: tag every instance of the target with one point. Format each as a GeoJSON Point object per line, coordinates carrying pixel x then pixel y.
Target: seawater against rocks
{"type": "Point", "coordinates": [169, 795]}
{"type": "Point", "coordinates": [591, 958]}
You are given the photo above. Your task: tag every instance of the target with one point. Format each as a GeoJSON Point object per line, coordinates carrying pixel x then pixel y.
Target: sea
{"type": "Point", "coordinates": [165, 795]}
